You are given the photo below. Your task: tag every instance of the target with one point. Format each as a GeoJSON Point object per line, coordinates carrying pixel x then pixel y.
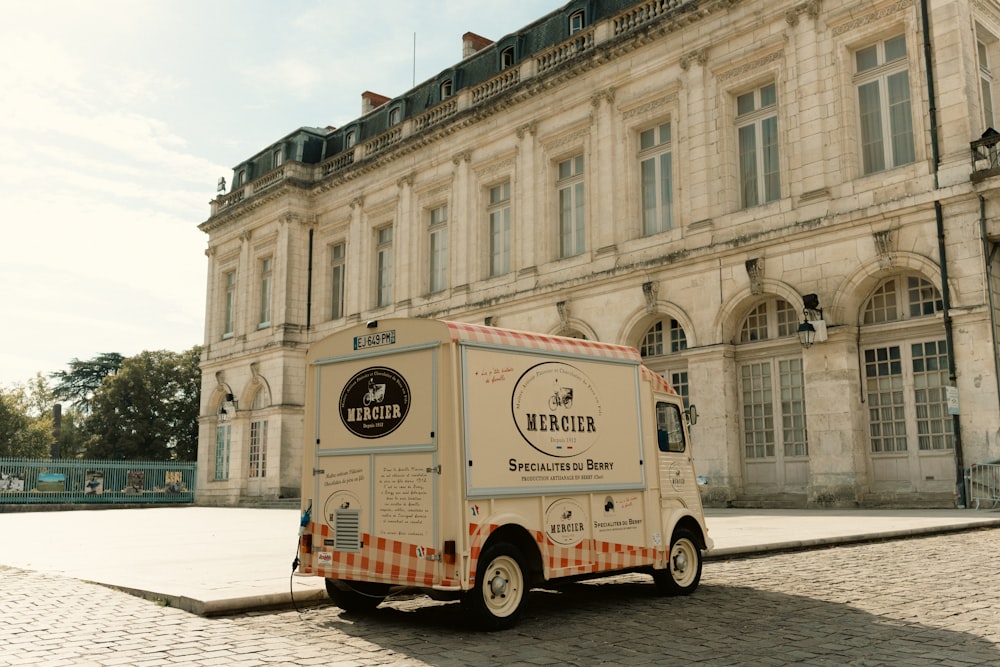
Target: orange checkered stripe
{"type": "Point", "coordinates": [482, 334]}
{"type": "Point", "coordinates": [380, 559]}
{"type": "Point", "coordinates": [588, 556]}
{"type": "Point", "coordinates": [659, 384]}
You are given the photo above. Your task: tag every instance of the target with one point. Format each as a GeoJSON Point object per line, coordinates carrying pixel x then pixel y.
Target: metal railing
{"type": "Point", "coordinates": [985, 156]}
{"type": "Point", "coordinates": [983, 482]}
{"type": "Point", "coordinates": [29, 481]}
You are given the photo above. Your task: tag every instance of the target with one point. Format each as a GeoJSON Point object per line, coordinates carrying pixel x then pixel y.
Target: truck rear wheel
{"type": "Point", "coordinates": [683, 571]}
{"type": "Point", "coordinates": [356, 596]}
{"type": "Point", "coordinates": [495, 602]}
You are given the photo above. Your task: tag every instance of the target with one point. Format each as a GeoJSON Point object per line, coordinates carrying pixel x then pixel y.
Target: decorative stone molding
{"type": "Point", "coordinates": [464, 156]}
{"type": "Point", "coordinates": [810, 9]}
{"type": "Point", "coordinates": [495, 168]}
{"type": "Point", "coordinates": [699, 56]}
{"type": "Point", "coordinates": [605, 95]}
{"type": "Point", "coordinates": [871, 17]}
{"type": "Point", "coordinates": [562, 307]}
{"type": "Point", "coordinates": [885, 245]}
{"type": "Point", "coordinates": [255, 372]}
{"type": "Point", "coordinates": [649, 290]}
{"type": "Point", "coordinates": [357, 202]}
{"type": "Point", "coordinates": [527, 128]}
{"type": "Point", "coordinates": [405, 181]}
{"type": "Point", "coordinates": [751, 66]}
{"type": "Point", "coordinates": [573, 138]}
{"type": "Point", "coordinates": [755, 271]}
{"type": "Point", "coordinates": [652, 105]}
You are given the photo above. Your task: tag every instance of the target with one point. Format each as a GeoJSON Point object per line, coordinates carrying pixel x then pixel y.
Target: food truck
{"type": "Point", "coordinates": [473, 462]}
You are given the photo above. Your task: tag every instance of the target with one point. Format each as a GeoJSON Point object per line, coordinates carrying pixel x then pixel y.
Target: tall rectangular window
{"type": "Point", "coordinates": [438, 247]}
{"type": "Point", "coordinates": [499, 230]}
{"type": "Point", "coordinates": [383, 267]}
{"type": "Point", "coordinates": [757, 129]}
{"type": "Point", "coordinates": [229, 316]}
{"type": "Point", "coordinates": [222, 435]}
{"type": "Point", "coordinates": [656, 176]}
{"type": "Point", "coordinates": [265, 293]}
{"type": "Point", "coordinates": [258, 449]}
{"type": "Point", "coordinates": [986, 84]}
{"type": "Point", "coordinates": [883, 83]}
{"type": "Point", "coordinates": [572, 239]}
{"type": "Point", "coordinates": [338, 268]}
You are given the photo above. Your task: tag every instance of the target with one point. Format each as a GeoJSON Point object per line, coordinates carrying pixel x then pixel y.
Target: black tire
{"type": "Point", "coordinates": [496, 601]}
{"type": "Point", "coordinates": [683, 571]}
{"type": "Point", "coordinates": [356, 596]}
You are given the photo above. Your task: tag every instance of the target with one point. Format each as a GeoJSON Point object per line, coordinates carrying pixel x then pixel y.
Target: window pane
{"type": "Point", "coordinates": [872, 148]}
{"type": "Point", "coordinates": [772, 179]}
{"type": "Point", "coordinates": [895, 48]}
{"type": "Point", "coordinates": [768, 96]}
{"type": "Point", "coordinates": [900, 119]}
{"type": "Point", "coordinates": [748, 165]}
{"type": "Point", "coordinates": [867, 58]}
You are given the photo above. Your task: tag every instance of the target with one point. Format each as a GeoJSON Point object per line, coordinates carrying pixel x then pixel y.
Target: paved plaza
{"type": "Point", "coordinates": [921, 598]}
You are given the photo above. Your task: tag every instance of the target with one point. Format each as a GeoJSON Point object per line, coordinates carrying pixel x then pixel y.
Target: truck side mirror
{"type": "Point", "coordinates": [692, 415]}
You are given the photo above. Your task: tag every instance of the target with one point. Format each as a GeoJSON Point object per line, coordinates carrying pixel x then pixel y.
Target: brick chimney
{"type": "Point", "coordinates": [371, 101]}
{"type": "Point", "coordinates": [472, 43]}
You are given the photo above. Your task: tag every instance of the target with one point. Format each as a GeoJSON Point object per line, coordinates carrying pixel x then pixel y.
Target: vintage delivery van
{"type": "Point", "coordinates": [474, 462]}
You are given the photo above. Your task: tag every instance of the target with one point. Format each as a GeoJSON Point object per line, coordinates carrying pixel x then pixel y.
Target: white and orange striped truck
{"type": "Point", "coordinates": [473, 462]}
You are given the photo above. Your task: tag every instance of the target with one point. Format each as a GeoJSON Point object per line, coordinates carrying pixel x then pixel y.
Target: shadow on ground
{"type": "Point", "coordinates": [627, 623]}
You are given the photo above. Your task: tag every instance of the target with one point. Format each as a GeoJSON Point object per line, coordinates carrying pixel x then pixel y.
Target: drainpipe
{"type": "Point", "coordinates": [309, 282]}
{"type": "Point", "coordinates": [989, 252]}
{"type": "Point", "coordinates": [942, 257]}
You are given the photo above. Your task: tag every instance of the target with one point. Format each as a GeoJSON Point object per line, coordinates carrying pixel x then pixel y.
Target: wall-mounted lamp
{"type": "Point", "coordinates": [228, 408]}
{"type": "Point", "coordinates": [813, 327]}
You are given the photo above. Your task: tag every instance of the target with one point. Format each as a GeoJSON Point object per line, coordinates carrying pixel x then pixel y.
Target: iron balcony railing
{"type": "Point", "coordinates": [29, 481]}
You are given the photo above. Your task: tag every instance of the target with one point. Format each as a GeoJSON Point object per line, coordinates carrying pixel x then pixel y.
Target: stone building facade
{"type": "Point", "coordinates": [703, 180]}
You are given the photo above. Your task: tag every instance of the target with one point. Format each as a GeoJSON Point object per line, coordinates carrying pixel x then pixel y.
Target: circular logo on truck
{"type": "Point", "coordinates": [556, 409]}
{"type": "Point", "coordinates": [374, 402]}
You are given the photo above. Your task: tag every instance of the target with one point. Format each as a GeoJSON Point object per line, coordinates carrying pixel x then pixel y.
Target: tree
{"type": "Point", "coordinates": [22, 434]}
{"type": "Point", "coordinates": [79, 383]}
{"type": "Point", "coordinates": [148, 409]}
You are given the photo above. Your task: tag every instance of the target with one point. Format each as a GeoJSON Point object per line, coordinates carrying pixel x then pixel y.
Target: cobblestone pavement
{"type": "Point", "coordinates": [925, 601]}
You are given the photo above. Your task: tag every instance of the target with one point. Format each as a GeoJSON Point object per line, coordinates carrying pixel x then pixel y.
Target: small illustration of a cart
{"type": "Point", "coordinates": [376, 393]}
{"type": "Point", "coordinates": [563, 396]}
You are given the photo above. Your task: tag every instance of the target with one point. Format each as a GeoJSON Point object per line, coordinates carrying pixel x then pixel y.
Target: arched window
{"type": "Point", "coordinates": [774, 318]}
{"type": "Point", "coordinates": [659, 348]}
{"type": "Point", "coordinates": [258, 434]}
{"type": "Point", "coordinates": [902, 298]}
{"type": "Point", "coordinates": [350, 139]}
{"type": "Point", "coordinates": [576, 21]}
{"type": "Point", "coordinates": [446, 89]}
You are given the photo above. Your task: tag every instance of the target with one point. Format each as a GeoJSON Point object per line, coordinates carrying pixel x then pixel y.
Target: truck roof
{"type": "Point", "coordinates": [460, 331]}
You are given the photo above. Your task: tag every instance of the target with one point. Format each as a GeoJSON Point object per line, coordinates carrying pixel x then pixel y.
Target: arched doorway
{"type": "Point", "coordinates": [904, 360]}
{"type": "Point", "coordinates": [775, 440]}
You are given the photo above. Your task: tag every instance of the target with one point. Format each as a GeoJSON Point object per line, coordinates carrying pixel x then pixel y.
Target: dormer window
{"type": "Point", "coordinates": [350, 139]}
{"type": "Point", "coordinates": [507, 57]}
{"type": "Point", "coordinates": [394, 116]}
{"type": "Point", "coordinates": [241, 178]}
{"type": "Point", "coordinates": [278, 158]}
{"type": "Point", "coordinates": [446, 89]}
{"type": "Point", "coordinates": [576, 22]}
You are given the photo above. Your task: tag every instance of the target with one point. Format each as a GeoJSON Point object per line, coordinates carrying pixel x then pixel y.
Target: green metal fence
{"type": "Point", "coordinates": [83, 481]}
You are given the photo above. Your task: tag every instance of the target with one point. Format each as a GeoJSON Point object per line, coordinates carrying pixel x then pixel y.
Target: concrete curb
{"type": "Point", "coordinates": [860, 538]}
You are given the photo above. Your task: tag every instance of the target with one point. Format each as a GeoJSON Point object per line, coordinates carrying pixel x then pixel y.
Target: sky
{"type": "Point", "coordinates": [120, 116]}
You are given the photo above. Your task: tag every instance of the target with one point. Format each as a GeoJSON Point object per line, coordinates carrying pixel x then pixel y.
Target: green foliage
{"type": "Point", "coordinates": [148, 409]}
{"type": "Point", "coordinates": [22, 434]}
{"type": "Point", "coordinates": [79, 383]}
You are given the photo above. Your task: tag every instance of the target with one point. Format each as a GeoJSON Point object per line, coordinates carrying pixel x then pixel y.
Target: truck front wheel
{"type": "Point", "coordinates": [495, 602]}
{"type": "Point", "coordinates": [356, 596]}
{"type": "Point", "coordinates": [683, 570]}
